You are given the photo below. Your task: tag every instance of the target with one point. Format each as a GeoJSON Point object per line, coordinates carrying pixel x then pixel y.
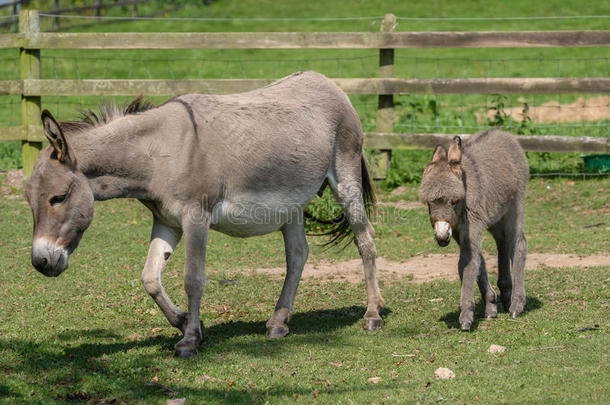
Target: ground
{"type": "Point", "coordinates": [94, 335]}
{"type": "Point", "coordinates": [425, 268]}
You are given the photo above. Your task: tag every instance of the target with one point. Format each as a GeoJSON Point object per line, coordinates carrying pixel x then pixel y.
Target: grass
{"type": "Point", "coordinates": [94, 335]}
{"type": "Point", "coordinates": [451, 113]}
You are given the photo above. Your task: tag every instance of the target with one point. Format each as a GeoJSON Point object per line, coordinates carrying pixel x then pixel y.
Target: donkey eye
{"type": "Point", "coordinates": [58, 199]}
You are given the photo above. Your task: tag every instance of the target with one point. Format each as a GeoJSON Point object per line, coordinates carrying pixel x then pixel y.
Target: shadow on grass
{"type": "Point", "coordinates": [451, 319]}
{"type": "Point", "coordinates": [106, 367]}
{"type": "Point", "coordinates": [71, 335]}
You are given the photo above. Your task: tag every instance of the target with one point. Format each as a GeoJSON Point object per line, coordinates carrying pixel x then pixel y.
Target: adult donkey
{"type": "Point", "coordinates": [242, 164]}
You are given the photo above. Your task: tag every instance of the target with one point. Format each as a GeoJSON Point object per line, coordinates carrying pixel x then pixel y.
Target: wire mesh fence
{"type": "Point", "coordinates": [544, 114]}
{"type": "Point", "coordinates": [556, 114]}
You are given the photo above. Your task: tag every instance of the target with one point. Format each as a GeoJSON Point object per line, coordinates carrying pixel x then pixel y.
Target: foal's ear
{"type": "Point", "coordinates": [439, 154]}
{"type": "Point", "coordinates": [55, 135]}
{"type": "Point", "coordinates": [454, 155]}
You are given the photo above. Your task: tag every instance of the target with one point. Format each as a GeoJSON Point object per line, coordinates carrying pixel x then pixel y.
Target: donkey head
{"type": "Point", "coordinates": [442, 189]}
{"type": "Point", "coordinates": [61, 202]}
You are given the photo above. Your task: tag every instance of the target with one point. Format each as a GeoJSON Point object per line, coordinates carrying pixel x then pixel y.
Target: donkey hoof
{"type": "Point", "coordinates": [373, 323]}
{"type": "Point", "coordinates": [465, 326]}
{"type": "Point", "coordinates": [277, 331]}
{"type": "Point", "coordinates": [185, 353]}
{"type": "Point", "coordinates": [515, 310]}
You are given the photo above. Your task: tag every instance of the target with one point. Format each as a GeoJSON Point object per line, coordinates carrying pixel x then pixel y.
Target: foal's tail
{"type": "Point", "coordinates": [341, 229]}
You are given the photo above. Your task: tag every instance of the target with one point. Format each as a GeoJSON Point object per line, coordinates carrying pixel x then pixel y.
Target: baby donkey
{"type": "Point", "coordinates": [474, 187]}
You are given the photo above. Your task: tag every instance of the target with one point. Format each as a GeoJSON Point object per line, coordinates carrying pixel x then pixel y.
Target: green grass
{"type": "Point", "coordinates": [94, 335]}
{"type": "Point", "coordinates": [451, 113]}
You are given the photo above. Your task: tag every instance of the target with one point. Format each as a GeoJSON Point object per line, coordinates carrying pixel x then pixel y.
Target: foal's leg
{"type": "Point", "coordinates": [505, 283]}
{"type": "Point", "coordinates": [349, 195]}
{"type": "Point", "coordinates": [195, 241]}
{"type": "Point", "coordinates": [487, 291]}
{"type": "Point", "coordinates": [297, 251]}
{"type": "Point", "coordinates": [162, 244]}
{"type": "Point", "coordinates": [518, 252]}
{"type": "Point", "coordinates": [469, 266]}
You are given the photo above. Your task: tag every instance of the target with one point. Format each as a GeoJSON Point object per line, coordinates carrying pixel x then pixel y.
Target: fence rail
{"type": "Point", "coordinates": [32, 87]}
{"type": "Point", "coordinates": [375, 86]}
{"type": "Point", "coordinates": [306, 40]}
{"type": "Point", "coordinates": [532, 143]}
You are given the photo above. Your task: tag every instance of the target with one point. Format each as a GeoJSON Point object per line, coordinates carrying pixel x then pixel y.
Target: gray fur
{"type": "Point", "coordinates": [478, 186]}
{"type": "Point", "coordinates": [242, 164]}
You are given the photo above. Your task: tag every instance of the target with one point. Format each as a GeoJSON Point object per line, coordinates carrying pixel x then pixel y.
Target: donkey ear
{"type": "Point", "coordinates": [54, 134]}
{"type": "Point", "coordinates": [454, 155]}
{"type": "Point", "coordinates": [439, 154]}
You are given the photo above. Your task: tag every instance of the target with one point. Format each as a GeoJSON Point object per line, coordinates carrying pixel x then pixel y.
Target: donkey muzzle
{"type": "Point", "coordinates": [442, 233]}
{"type": "Point", "coordinates": [48, 258]}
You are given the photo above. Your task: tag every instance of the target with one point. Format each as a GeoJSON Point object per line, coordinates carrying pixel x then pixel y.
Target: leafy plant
{"type": "Point", "coordinates": [325, 208]}
{"type": "Point", "coordinates": [500, 118]}
{"type": "Point", "coordinates": [10, 155]}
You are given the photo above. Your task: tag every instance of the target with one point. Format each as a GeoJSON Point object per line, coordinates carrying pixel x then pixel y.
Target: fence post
{"type": "Point", "coordinates": [55, 11]}
{"type": "Point", "coordinates": [381, 159]}
{"type": "Point", "coordinates": [16, 7]}
{"type": "Point", "coordinates": [98, 10]}
{"type": "Point", "coordinates": [29, 22]}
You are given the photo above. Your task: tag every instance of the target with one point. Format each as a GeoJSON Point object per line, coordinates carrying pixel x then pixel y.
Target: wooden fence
{"type": "Point", "coordinates": [32, 87]}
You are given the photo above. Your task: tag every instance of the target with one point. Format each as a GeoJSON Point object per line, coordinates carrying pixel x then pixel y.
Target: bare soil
{"type": "Point", "coordinates": [424, 268]}
{"type": "Point", "coordinates": [12, 185]}
{"type": "Point", "coordinates": [581, 110]}
{"type": "Point", "coordinates": [403, 205]}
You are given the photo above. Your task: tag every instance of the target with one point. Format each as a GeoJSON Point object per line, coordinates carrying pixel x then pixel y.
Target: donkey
{"type": "Point", "coordinates": [242, 164]}
{"type": "Point", "coordinates": [476, 187]}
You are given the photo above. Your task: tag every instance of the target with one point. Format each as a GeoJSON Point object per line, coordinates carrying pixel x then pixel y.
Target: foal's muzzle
{"type": "Point", "coordinates": [48, 258]}
{"type": "Point", "coordinates": [442, 233]}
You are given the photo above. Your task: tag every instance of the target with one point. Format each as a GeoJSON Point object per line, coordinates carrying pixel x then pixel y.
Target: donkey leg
{"type": "Point", "coordinates": [162, 244]}
{"type": "Point", "coordinates": [487, 291]}
{"type": "Point", "coordinates": [195, 241]}
{"type": "Point", "coordinates": [505, 283]}
{"type": "Point", "coordinates": [297, 251]}
{"type": "Point", "coordinates": [519, 253]}
{"type": "Point", "coordinates": [468, 267]}
{"type": "Point", "coordinates": [368, 252]}
{"type": "Point", "coordinates": [349, 195]}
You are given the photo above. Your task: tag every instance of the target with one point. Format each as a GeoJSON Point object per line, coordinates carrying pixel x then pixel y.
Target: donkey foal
{"type": "Point", "coordinates": [475, 187]}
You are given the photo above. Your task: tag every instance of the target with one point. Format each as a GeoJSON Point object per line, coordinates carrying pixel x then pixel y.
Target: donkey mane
{"type": "Point", "coordinates": [108, 112]}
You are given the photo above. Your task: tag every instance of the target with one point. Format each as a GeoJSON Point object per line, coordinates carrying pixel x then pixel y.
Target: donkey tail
{"type": "Point", "coordinates": [337, 220]}
{"type": "Point", "coordinates": [368, 190]}
{"type": "Point", "coordinates": [341, 230]}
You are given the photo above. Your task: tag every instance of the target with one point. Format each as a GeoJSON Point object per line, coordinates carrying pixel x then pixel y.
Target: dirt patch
{"type": "Point", "coordinates": [402, 205]}
{"type": "Point", "coordinates": [400, 190]}
{"type": "Point", "coordinates": [581, 110]}
{"type": "Point", "coordinates": [421, 269]}
{"type": "Point", "coordinates": [12, 186]}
